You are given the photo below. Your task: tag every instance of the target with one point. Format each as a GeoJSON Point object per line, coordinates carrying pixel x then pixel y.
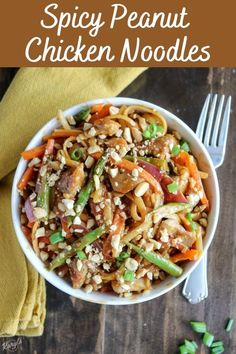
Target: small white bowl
{"type": "Point", "coordinates": [211, 187]}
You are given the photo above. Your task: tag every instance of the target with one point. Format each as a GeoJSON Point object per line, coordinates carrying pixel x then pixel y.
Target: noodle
{"type": "Point", "coordinates": [63, 120]}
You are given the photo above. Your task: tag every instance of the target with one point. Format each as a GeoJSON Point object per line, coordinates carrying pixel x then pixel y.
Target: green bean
{"type": "Point", "coordinates": [85, 192]}
{"type": "Point", "coordinates": [157, 259]}
{"type": "Point", "coordinates": [44, 194]}
{"type": "Point", "coordinates": [77, 246]}
{"type": "Point", "coordinates": [90, 237]}
{"type": "Point", "coordinates": [83, 197]}
{"type": "Point", "coordinates": [100, 165]}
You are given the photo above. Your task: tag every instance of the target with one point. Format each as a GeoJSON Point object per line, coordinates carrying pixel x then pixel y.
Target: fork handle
{"type": "Point", "coordinates": [195, 288]}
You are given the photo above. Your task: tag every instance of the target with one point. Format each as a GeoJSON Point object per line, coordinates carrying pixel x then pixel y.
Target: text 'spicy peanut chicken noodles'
{"type": "Point", "coordinates": [113, 200]}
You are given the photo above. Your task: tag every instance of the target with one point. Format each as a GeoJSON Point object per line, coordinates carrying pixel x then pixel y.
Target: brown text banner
{"type": "Point", "coordinates": [117, 33]}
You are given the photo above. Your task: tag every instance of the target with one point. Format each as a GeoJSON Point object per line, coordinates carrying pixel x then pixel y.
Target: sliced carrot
{"type": "Point", "coordinates": [96, 155]}
{"type": "Point", "coordinates": [30, 225]}
{"type": "Point", "coordinates": [61, 133]}
{"type": "Point", "coordinates": [27, 232]}
{"type": "Point", "coordinates": [184, 159]}
{"type": "Point", "coordinates": [185, 221]}
{"type": "Point", "coordinates": [97, 108]}
{"type": "Point", "coordinates": [27, 176]}
{"type": "Point", "coordinates": [100, 114]}
{"type": "Point", "coordinates": [191, 255]}
{"type": "Point", "coordinates": [49, 147]}
{"type": "Point", "coordinates": [130, 166]}
{"type": "Point", "coordinates": [35, 152]}
{"type": "Point", "coordinates": [119, 223]}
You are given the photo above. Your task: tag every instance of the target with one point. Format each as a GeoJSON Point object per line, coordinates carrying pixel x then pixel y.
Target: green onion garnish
{"type": "Point", "coordinates": [199, 327]}
{"type": "Point", "coordinates": [82, 115]}
{"type": "Point", "coordinates": [195, 344]}
{"type": "Point", "coordinates": [81, 255]}
{"type": "Point", "coordinates": [217, 350]}
{"type": "Point", "coordinates": [152, 131]}
{"type": "Point", "coordinates": [122, 256]}
{"type": "Point", "coordinates": [218, 343]}
{"type": "Point", "coordinates": [190, 346]}
{"type": "Point", "coordinates": [229, 325]}
{"type": "Point", "coordinates": [207, 339]}
{"type": "Point", "coordinates": [172, 187]}
{"type": "Point", "coordinates": [77, 154]}
{"type": "Point", "coordinates": [128, 275]}
{"type": "Point", "coordinates": [56, 237]}
{"type": "Point", "coordinates": [175, 150]}
{"type": "Point", "coordinates": [183, 349]}
{"type": "Point", "coordinates": [189, 217]}
{"type": "Point", "coordinates": [184, 146]}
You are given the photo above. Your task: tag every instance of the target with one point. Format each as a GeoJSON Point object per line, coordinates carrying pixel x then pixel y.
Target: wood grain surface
{"type": "Point", "coordinates": [158, 326]}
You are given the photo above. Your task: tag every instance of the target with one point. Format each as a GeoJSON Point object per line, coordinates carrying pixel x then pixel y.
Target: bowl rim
{"type": "Point", "coordinates": [56, 280]}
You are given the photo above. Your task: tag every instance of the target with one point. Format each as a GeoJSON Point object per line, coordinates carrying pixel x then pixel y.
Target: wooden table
{"type": "Point", "coordinates": [158, 326]}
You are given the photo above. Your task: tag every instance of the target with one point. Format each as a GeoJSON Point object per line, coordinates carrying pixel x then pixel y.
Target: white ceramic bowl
{"type": "Point", "coordinates": [211, 187]}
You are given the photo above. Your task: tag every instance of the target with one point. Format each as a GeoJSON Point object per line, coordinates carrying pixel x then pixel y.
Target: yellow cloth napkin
{"type": "Point", "coordinates": [34, 96]}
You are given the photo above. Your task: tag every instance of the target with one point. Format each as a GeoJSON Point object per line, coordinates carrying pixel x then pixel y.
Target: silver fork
{"type": "Point", "coordinates": [212, 130]}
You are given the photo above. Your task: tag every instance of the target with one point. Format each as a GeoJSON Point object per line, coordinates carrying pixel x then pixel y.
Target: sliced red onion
{"type": "Point", "coordinates": [153, 170]}
{"type": "Point", "coordinates": [29, 210]}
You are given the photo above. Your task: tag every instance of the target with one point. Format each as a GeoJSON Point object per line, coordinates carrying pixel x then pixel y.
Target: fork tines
{"type": "Point", "coordinates": [214, 121]}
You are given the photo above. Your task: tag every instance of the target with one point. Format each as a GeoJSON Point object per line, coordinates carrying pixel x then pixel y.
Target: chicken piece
{"type": "Point", "coordinates": [106, 127]}
{"type": "Point", "coordinates": [172, 234]}
{"type": "Point", "coordinates": [71, 181]}
{"type": "Point", "coordinates": [160, 146]}
{"type": "Point", "coordinates": [117, 141]}
{"type": "Point", "coordinates": [124, 183]}
{"type": "Point", "coordinates": [77, 276]}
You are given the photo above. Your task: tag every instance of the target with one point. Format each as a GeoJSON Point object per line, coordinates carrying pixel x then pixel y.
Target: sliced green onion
{"type": "Point", "coordinates": [190, 346]}
{"type": "Point", "coordinates": [128, 275]}
{"type": "Point", "coordinates": [81, 255]}
{"type": "Point", "coordinates": [218, 350]}
{"type": "Point", "coordinates": [229, 325]}
{"type": "Point", "coordinates": [175, 150]}
{"type": "Point", "coordinates": [218, 343]}
{"type": "Point", "coordinates": [184, 146]}
{"type": "Point", "coordinates": [195, 344]}
{"type": "Point", "coordinates": [122, 256]}
{"type": "Point", "coordinates": [183, 349]}
{"type": "Point", "coordinates": [193, 225]}
{"type": "Point", "coordinates": [56, 237]}
{"type": "Point", "coordinates": [207, 339]}
{"type": "Point", "coordinates": [152, 131]}
{"type": "Point", "coordinates": [172, 187]}
{"type": "Point", "coordinates": [82, 115]}
{"type": "Point", "coordinates": [77, 154]}
{"type": "Point", "coordinates": [199, 327]}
